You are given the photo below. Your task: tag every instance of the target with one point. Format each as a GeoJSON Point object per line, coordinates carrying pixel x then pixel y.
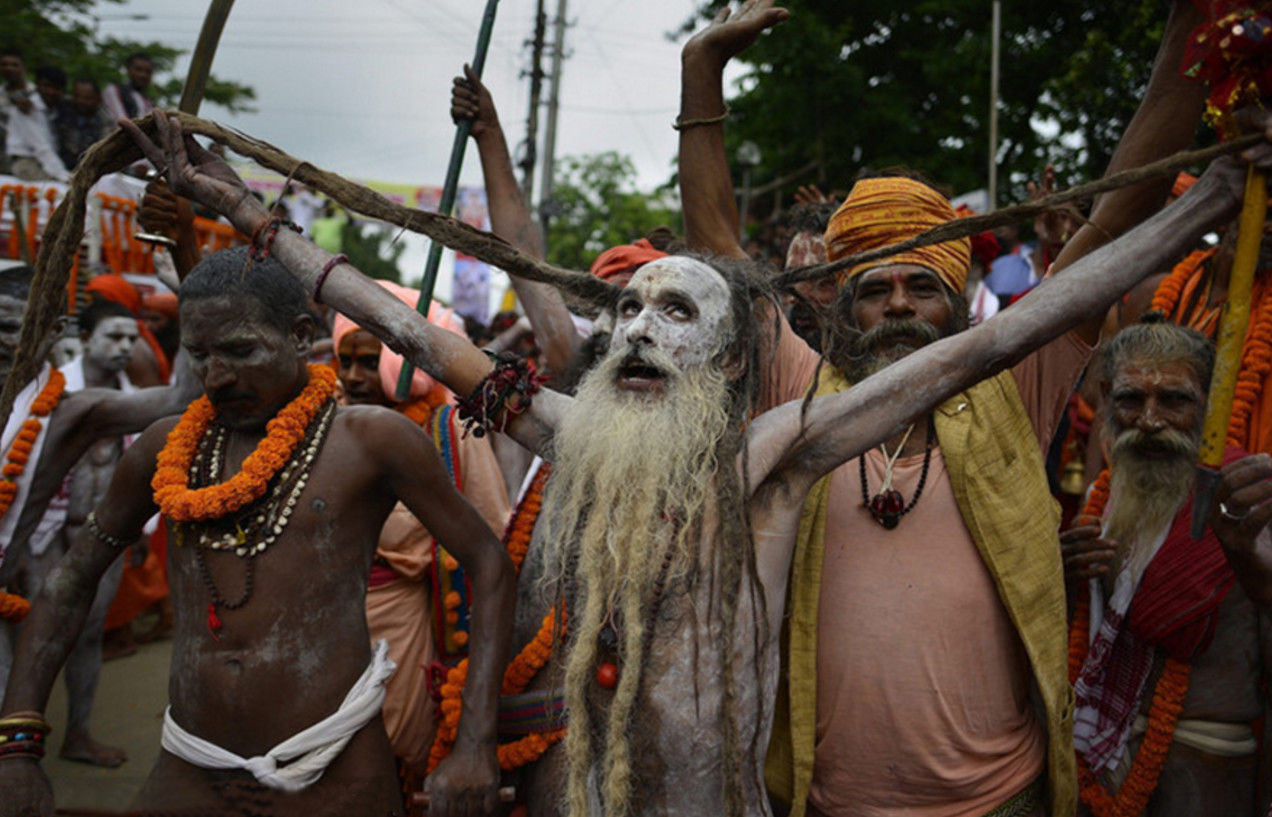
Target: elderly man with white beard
{"type": "Point", "coordinates": [1170, 626]}
{"type": "Point", "coordinates": [671, 516]}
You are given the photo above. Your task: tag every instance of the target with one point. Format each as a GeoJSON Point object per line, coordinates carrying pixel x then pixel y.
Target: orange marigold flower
{"type": "Point", "coordinates": [171, 484]}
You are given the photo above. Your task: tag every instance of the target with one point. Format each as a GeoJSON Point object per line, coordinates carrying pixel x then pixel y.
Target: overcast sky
{"type": "Point", "coordinates": [362, 87]}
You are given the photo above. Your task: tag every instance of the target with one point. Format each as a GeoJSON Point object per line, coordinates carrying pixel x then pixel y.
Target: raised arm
{"type": "Point", "coordinates": [167, 214]}
{"type": "Point", "coordinates": [841, 426]}
{"type": "Point", "coordinates": [58, 613]}
{"type": "Point", "coordinates": [201, 176]}
{"type": "Point", "coordinates": [415, 474]}
{"type": "Point", "coordinates": [1165, 123]}
{"type": "Point", "coordinates": [706, 188]}
{"type": "Point", "coordinates": [510, 219]}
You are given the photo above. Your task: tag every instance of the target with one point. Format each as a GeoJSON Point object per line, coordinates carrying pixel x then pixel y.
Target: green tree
{"type": "Point", "coordinates": [63, 33]}
{"type": "Point", "coordinates": [854, 86]}
{"type": "Point", "coordinates": [595, 205]}
{"type": "Point", "coordinates": [371, 248]}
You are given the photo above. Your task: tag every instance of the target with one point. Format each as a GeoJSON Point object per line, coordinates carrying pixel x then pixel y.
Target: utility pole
{"type": "Point", "coordinates": [549, 135]}
{"type": "Point", "coordinates": [996, 26]}
{"type": "Point", "coordinates": [532, 118]}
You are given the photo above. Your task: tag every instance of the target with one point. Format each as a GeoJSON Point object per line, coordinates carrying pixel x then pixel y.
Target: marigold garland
{"type": "Point", "coordinates": [13, 607]}
{"type": "Point", "coordinates": [1163, 713]}
{"type": "Point", "coordinates": [524, 667]}
{"type": "Point", "coordinates": [171, 482]}
{"type": "Point", "coordinates": [1256, 352]}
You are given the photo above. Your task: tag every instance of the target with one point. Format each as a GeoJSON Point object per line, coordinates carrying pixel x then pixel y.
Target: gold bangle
{"type": "Point", "coordinates": [681, 124]}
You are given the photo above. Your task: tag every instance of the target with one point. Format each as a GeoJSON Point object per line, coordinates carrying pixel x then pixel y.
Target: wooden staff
{"type": "Point", "coordinates": [1233, 325]}
{"type": "Point", "coordinates": [448, 192]}
{"type": "Point", "coordinates": [195, 85]}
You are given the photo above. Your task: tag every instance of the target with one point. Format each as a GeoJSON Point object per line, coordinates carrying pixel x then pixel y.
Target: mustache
{"type": "Point", "coordinates": [890, 330]}
{"type": "Point", "coordinates": [641, 356]}
{"type": "Point", "coordinates": [1132, 441]}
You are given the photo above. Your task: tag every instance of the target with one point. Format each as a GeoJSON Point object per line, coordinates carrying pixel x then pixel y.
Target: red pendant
{"type": "Point", "coordinates": [887, 507]}
{"type": "Point", "coordinates": [607, 675]}
{"type": "Point", "coordinates": [214, 622]}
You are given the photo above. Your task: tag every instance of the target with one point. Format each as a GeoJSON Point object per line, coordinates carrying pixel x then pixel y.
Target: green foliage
{"type": "Point", "coordinates": [62, 33]}
{"type": "Point", "coordinates": [857, 85]}
{"type": "Point", "coordinates": [371, 249]}
{"type": "Point", "coordinates": [596, 205]}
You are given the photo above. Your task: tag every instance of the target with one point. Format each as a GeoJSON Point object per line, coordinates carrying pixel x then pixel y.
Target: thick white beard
{"type": "Point", "coordinates": [625, 465]}
{"type": "Point", "coordinates": [630, 507]}
{"type": "Point", "coordinates": [1144, 496]}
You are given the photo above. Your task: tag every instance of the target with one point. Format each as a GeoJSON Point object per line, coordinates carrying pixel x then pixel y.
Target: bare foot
{"type": "Point", "coordinates": [81, 748]}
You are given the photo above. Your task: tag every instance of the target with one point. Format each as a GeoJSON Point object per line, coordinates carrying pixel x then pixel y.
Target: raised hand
{"type": "Point", "coordinates": [1085, 554]}
{"type": "Point", "coordinates": [1053, 227]}
{"type": "Point", "coordinates": [192, 172]}
{"type": "Point", "coordinates": [811, 194]}
{"type": "Point", "coordinates": [472, 101]}
{"type": "Point", "coordinates": [160, 209]}
{"type": "Point", "coordinates": [732, 31]}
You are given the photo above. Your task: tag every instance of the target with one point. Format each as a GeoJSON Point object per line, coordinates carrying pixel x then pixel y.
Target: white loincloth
{"type": "Point", "coordinates": [307, 753]}
{"type": "Point", "coordinates": [1212, 737]}
{"type": "Point", "coordinates": [18, 416]}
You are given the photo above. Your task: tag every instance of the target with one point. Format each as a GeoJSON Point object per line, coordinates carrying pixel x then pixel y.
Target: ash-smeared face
{"type": "Point", "coordinates": [11, 310]}
{"type": "Point", "coordinates": [111, 343]}
{"type": "Point", "coordinates": [672, 316]}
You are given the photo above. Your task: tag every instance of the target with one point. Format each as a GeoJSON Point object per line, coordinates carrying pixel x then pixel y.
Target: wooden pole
{"type": "Point", "coordinates": [449, 188]}
{"type": "Point", "coordinates": [201, 62]}
{"type": "Point", "coordinates": [1228, 344]}
{"type": "Point", "coordinates": [995, 35]}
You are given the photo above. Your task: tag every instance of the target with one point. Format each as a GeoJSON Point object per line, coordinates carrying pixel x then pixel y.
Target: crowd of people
{"type": "Point", "coordinates": [707, 547]}
{"type": "Point", "coordinates": [44, 132]}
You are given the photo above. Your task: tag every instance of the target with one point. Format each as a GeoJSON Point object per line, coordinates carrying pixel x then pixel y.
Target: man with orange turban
{"type": "Point", "coordinates": [943, 539]}
{"type": "Point", "coordinates": [417, 596]}
{"type": "Point", "coordinates": [150, 365]}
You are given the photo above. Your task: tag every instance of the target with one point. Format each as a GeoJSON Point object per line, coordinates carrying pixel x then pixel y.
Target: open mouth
{"type": "Point", "coordinates": [637, 375]}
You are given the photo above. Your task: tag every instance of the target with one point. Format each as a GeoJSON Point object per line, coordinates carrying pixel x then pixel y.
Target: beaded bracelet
{"type": "Point", "coordinates": [95, 528]}
{"type": "Point", "coordinates": [261, 249]}
{"type": "Point", "coordinates": [332, 262]}
{"type": "Point", "coordinates": [22, 734]}
{"type": "Point", "coordinates": [489, 405]}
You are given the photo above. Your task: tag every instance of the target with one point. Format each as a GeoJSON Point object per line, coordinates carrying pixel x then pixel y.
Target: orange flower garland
{"type": "Point", "coordinates": [524, 667]}
{"type": "Point", "coordinates": [14, 607]}
{"type": "Point", "coordinates": [1163, 713]}
{"type": "Point", "coordinates": [171, 482]}
{"type": "Point", "coordinates": [1256, 362]}
{"type": "Point", "coordinates": [1256, 352]}
{"type": "Point", "coordinates": [1175, 289]}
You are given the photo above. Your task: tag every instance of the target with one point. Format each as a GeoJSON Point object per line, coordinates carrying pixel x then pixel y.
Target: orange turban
{"type": "Point", "coordinates": [422, 385]}
{"type": "Point", "coordinates": [116, 288]}
{"type": "Point", "coordinates": [165, 303]}
{"type": "Point", "coordinates": [885, 211]}
{"type": "Point", "coordinates": [617, 264]}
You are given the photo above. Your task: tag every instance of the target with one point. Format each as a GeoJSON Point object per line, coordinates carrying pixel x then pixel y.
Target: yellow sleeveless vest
{"type": "Point", "coordinates": [999, 481]}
